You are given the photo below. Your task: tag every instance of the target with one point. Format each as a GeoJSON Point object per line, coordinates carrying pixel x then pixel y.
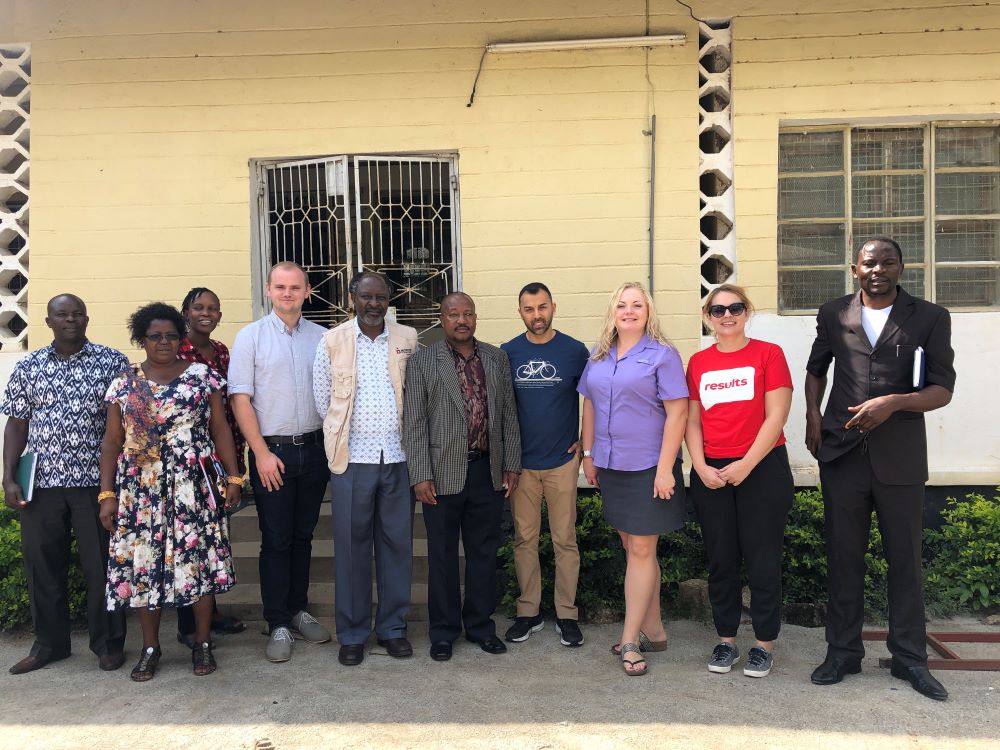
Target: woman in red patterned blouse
{"type": "Point", "coordinates": [202, 312]}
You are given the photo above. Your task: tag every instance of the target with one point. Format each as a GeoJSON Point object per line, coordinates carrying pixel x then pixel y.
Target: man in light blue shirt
{"type": "Point", "coordinates": [271, 390]}
{"type": "Point", "coordinates": [358, 381]}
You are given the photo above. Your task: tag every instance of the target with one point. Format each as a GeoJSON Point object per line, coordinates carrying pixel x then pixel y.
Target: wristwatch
{"type": "Point", "coordinates": [588, 454]}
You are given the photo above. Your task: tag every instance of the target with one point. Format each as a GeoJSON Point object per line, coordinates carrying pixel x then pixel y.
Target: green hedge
{"type": "Point", "coordinates": [961, 561]}
{"type": "Point", "coordinates": [14, 608]}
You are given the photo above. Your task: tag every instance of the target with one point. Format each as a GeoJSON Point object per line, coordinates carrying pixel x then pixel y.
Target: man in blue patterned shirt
{"type": "Point", "coordinates": [54, 403]}
{"type": "Point", "coordinates": [358, 385]}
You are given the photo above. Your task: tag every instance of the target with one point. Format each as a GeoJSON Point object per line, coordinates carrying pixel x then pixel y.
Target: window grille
{"type": "Point", "coordinates": [15, 126]}
{"type": "Point", "coordinates": [337, 215]}
{"type": "Point", "coordinates": [934, 188]}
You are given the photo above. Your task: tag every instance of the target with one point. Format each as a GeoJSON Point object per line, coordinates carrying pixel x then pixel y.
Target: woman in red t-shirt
{"type": "Point", "coordinates": [741, 484]}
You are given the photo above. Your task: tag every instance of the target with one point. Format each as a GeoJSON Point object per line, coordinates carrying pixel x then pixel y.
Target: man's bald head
{"type": "Point", "coordinates": [65, 297]}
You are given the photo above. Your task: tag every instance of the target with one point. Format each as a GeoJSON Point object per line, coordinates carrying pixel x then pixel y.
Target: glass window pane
{"type": "Point", "coordinates": [967, 240]}
{"type": "Point", "coordinates": [807, 290]}
{"type": "Point", "coordinates": [811, 152]}
{"type": "Point", "coordinates": [811, 197]}
{"type": "Point", "coordinates": [887, 195]}
{"type": "Point", "coordinates": [887, 148]}
{"type": "Point", "coordinates": [967, 193]}
{"type": "Point", "coordinates": [968, 287]}
{"type": "Point", "coordinates": [967, 147]}
{"type": "Point", "coordinates": [811, 244]}
{"type": "Point", "coordinates": [909, 235]}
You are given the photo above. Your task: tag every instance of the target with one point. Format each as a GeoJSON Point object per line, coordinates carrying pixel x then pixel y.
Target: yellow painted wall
{"type": "Point", "coordinates": [144, 117]}
{"type": "Point", "coordinates": [845, 62]}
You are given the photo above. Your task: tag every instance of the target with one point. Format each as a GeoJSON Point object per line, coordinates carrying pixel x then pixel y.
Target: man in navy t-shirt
{"type": "Point", "coordinates": [546, 366]}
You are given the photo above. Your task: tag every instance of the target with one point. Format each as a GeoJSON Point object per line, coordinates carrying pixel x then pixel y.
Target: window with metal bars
{"type": "Point", "coordinates": [337, 215]}
{"type": "Point", "coordinates": [934, 188]}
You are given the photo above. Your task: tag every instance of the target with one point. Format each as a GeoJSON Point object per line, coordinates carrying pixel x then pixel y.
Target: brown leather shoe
{"type": "Point", "coordinates": [398, 647]}
{"type": "Point", "coordinates": [111, 661]}
{"type": "Point", "coordinates": [31, 663]}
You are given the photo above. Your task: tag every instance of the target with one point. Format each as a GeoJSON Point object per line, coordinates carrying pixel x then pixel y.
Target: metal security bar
{"type": "Point", "coordinates": [397, 215]}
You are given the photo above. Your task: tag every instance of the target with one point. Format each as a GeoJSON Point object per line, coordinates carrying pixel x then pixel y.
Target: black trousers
{"type": "Point", "coordinates": [475, 513]}
{"type": "Point", "coordinates": [746, 524]}
{"type": "Point", "coordinates": [850, 492]}
{"type": "Point", "coordinates": [287, 519]}
{"type": "Point", "coordinates": [45, 547]}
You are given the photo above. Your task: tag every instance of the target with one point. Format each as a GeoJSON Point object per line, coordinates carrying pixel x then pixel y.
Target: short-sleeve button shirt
{"type": "Point", "coordinates": [63, 399]}
{"type": "Point", "coordinates": [628, 395]}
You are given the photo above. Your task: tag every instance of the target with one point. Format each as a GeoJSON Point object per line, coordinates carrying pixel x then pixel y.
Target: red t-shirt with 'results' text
{"type": "Point", "coordinates": [730, 387]}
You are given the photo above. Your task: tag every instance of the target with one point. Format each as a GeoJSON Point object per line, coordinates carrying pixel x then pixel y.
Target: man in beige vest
{"type": "Point", "coordinates": [358, 383]}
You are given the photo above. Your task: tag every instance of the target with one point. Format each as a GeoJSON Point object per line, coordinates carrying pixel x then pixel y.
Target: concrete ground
{"type": "Point", "coordinates": [539, 695]}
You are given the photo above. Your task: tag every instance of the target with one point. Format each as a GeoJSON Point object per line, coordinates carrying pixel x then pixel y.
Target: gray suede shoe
{"type": "Point", "coordinates": [279, 648]}
{"type": "Point", "coordinates": [309, 628]}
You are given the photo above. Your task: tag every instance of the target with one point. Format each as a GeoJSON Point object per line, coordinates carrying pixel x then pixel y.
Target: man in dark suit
{"type": "Point", "coordinates": [463, 451]}
{"type": "Point", "coordinates": [893, 361]}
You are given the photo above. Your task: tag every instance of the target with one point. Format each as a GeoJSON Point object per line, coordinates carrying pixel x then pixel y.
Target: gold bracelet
{"type": "Point", "coordinates": [235, 480]}
{"type": "Point", "coordinates": [106, 495]}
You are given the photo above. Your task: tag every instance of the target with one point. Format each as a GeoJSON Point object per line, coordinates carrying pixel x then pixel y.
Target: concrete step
{"type": "Point", "coordinates": [244, 601]}
{"type": "Point", "coordinates": [323, 567]}
{"type": "Point", "coordinates": [244, 526]}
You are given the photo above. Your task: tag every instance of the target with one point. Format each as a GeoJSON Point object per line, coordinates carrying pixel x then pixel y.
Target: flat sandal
{"type": "Point", "coordinates": [145, 669]}
{"type": "Point", "coordinates": [638, 667]}
{"type": "Point", "coordinates": [202, 660]}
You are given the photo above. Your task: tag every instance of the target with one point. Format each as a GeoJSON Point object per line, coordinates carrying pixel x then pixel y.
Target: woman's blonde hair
{"type": "Point", "coordinates": [732, 289]}
{"type": "Point", "coordinates": [609, 334]}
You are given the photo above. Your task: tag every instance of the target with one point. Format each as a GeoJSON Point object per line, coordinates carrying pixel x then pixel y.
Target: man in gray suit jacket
{"type": "Point", "coordinates": [893, 361]}
{"type": "Point", "coordinates": [463, 451]}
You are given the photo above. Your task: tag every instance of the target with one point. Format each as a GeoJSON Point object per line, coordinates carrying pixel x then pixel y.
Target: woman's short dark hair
{"type": "Point", "coordinates": [194, 294]}
{"type": "Point", "coordinates": [141, 319]}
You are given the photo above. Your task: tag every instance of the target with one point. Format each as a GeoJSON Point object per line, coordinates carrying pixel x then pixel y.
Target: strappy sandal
{"type": "Point", "coordinates": [145, 669]}
{"type": "Point", "coordinates": [635, 668]}
{"type": "Point", "coordinates": [644, 645]}
{"type": "Point", "coordinates": [202, 659]}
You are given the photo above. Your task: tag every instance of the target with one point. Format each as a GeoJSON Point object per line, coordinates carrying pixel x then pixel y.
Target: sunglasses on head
{"type": "Point", "coordinates": [158, 337]}
{"type": "Point", "coordinates": [719, 311]}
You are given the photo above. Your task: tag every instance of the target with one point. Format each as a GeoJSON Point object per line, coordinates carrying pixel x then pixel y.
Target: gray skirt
{"type": "Point", "coordinates": [629, 504]}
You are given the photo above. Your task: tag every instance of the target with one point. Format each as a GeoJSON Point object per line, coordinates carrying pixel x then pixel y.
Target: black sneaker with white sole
{"type": "Point", "coordinates": [569, 633]}
{"type": "Point", "coordinates": [759, 662]}
{"type": "Point", "coordinates": [523, 627]}
{"type": "Point", "coordinates": [724, 656]}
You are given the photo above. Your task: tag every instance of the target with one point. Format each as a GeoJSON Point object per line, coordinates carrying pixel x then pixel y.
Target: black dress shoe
{"type": "Point", "coordinates": [352, 655]}
{"type": "Point", "coordinates": [921, 679]}
{"type": "Point", "coordinates": [833, 669]}
{"type": "Point", "coordinates": [111, 661]}
{"type": "Point", "coordinates": [398, 647]}
{"type": "Point", "coordinates": [441, 650]}
{"type": "Point", "coordinates": [31, 663]}
{"type": "Point", "coordinates": [491, 644]}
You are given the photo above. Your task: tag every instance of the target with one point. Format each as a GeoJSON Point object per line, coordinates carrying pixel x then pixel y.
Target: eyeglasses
{"type": "Point", "coordinates": [735, 309]}
{"type": "Point", "coordinates": [158, 337]}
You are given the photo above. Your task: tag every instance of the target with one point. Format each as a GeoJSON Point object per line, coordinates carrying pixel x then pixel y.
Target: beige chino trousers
{"type": "Point", "coordinates": [558, 487]}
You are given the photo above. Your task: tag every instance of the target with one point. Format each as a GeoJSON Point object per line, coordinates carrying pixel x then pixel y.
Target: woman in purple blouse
{"type": "Point", "coordinates": [634, 415]}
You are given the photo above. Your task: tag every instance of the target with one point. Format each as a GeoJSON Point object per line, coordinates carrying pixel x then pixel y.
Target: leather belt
{"type": "Point", "coordinates": [306, 438]}
{"type": "Point", "coordinates": [478, 455]}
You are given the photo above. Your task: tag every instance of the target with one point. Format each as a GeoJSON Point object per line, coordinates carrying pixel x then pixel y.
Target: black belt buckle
{"type": "Point", "coordinates": [476, 455]}
{"type": "Point", "coordinates": [299, 439]}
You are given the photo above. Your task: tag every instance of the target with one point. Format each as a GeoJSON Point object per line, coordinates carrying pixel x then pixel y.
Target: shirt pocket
{"type": "Point", "coordinates": [342, 382]}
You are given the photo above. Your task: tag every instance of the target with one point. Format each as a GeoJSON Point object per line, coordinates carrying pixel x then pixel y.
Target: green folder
{"type": "Point", "coordinates": [25, 475]}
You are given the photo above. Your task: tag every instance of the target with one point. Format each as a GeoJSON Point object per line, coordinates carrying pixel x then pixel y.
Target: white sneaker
{"type": "Point", "coordinates": [309, 628]}
{"type": "Point", "coordinates": [279, 648]}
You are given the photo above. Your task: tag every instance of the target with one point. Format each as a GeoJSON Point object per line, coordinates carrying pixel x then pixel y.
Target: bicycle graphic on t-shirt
{"type": "Point", "coordinates": [536, 369]}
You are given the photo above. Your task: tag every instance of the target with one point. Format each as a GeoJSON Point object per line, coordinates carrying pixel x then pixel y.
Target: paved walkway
{"type": "Point", "coordinates": [539, 695]}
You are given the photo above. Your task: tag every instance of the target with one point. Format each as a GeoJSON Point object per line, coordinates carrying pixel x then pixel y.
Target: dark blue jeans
{"type": "Point", "coordinates": [287, 519]}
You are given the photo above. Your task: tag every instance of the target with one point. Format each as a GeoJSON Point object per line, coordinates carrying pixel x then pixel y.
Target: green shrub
{"type": "Point", "coordinates": [14, 607]}
{"type": "Point", "coordinates": [962, 557]}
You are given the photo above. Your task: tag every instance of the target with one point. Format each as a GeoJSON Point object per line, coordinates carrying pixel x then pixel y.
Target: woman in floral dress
{"type": "Point", "coordinates": [202, 313]}
{"type": "Point", "coordinates": [170, 541]}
